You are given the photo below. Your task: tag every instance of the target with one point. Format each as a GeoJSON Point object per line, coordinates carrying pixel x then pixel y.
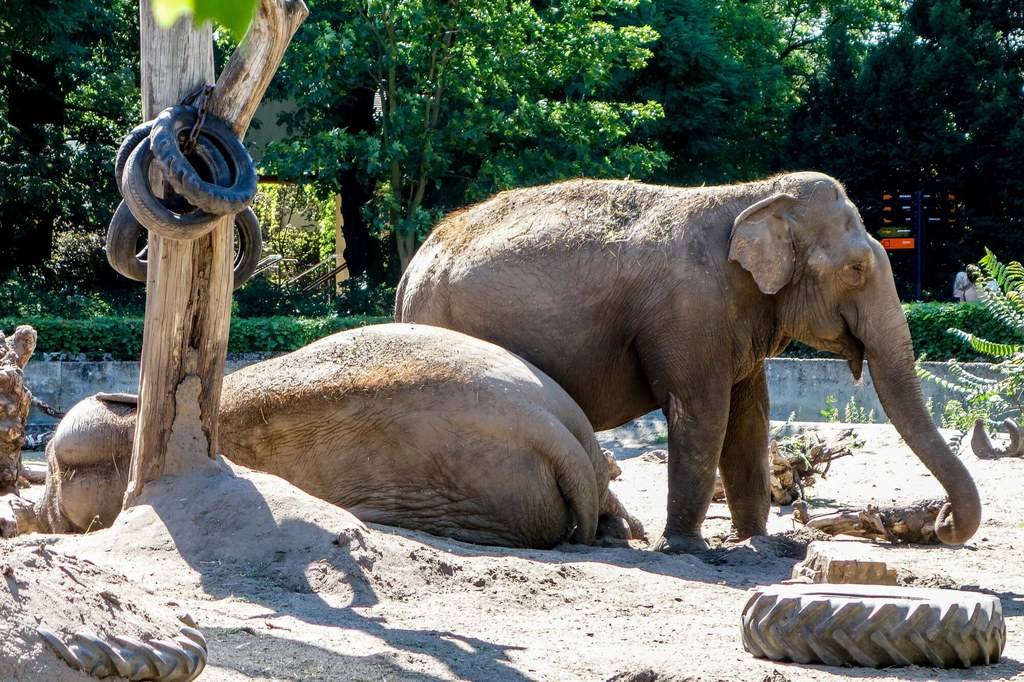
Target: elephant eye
{"type": "Point", "coordinates": [854, 274]}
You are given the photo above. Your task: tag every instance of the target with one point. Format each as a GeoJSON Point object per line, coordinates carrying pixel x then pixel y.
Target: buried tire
{"type": "Point", "coordinates": [873, 626]}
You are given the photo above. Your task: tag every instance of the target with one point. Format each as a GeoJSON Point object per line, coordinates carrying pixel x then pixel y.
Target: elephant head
{"type": "Point", "coordinates": [807, 246]}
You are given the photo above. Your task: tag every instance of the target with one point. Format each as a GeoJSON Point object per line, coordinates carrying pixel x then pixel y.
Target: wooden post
{"type": "Point", "coordinates": [189, 282]}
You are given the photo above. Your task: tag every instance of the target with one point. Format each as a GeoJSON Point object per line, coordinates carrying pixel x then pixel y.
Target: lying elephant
{"type": "Point", "coordinates": [635, 297]}
{"type": "Point", "coordinates": [403, 425]}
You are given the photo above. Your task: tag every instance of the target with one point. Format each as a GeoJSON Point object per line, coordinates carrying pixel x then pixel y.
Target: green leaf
{"type": "Point", "coordinates": [166, 12]}
{"type": "Point", "coordinates": [235, 15]}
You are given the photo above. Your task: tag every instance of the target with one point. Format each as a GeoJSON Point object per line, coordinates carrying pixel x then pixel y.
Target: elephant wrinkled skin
{"type": "Point", "coordinates": [635, 297]}
{"type": "Point", "coordinates": [403, 425]}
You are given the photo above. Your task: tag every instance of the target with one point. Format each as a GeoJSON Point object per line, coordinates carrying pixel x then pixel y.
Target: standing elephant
{"type": "Point", "coordinates": [634, 297]}
{"type": "Point", "coordinates": [404, 425]}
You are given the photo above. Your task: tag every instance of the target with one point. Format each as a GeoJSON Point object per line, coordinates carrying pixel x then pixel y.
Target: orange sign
{"type": "Point", "coordinates": [893, 244]}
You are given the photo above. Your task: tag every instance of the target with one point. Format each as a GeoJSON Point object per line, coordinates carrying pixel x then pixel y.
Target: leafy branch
{"type": "Point", "coordinates": [999, 395]}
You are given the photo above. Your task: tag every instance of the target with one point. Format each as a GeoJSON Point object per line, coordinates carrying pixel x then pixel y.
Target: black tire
{"type": "Point", "coordinates": [123, 252]}
{"type": "Point", "coordinates": [873, 626]}
{"type": "Point", "coordinates": [125, 258]}
{"type": "Point", "coordinates": [128, 145]}
{"type": "Point", "coordinates": [229, 196]}
{"type": "Point", "coordinates": [172, 222]}
{"type": "Point", "coordinates": [250, 247]}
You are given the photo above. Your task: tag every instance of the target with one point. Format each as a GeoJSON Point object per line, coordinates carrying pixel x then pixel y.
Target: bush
{"type": "Point", "coordinates": [35, 295]}
{"type": "Point", "coordinates": [930, 325]}
{"type": "Point", "coordinates": [929, 328]}
{"type": "Point", "coordinates": [282, 334]}
{"type": "Point", "coordinates": [356, 296]}
{"type": "Point", "coordinates": [98, 338]}
{"type": "Point", "coordinates": [267, 320]}
{"type": "Point", "coordinates": [262, 298]}
{"type": "Point", "coordinates": [109, 338]}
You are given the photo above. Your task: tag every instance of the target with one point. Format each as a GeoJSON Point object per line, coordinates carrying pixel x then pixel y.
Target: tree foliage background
{"type": "Point", "coordinates": [422, 105]}
{"type": "Point", "coordinates": [408, 109]}
{"type": "Point", "coordinates": [68, 92]}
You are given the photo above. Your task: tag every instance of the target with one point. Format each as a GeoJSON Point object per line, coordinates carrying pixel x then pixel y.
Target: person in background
{"type": "Point", "coordinates": [963, 287]}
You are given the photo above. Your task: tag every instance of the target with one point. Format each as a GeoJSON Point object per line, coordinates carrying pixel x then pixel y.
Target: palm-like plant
{"type": "Point", "coordinates": [999, 395]}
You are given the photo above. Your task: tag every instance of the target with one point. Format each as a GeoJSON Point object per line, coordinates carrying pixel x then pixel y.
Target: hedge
{"type": "Point", "coordinates": [929, 329]}
{"type": "Point", "coordinates": [929, 324]}
{"type": "Point", "coordinates": [107, 338]}
{"type": "Point", "coordinates": [112, 338]}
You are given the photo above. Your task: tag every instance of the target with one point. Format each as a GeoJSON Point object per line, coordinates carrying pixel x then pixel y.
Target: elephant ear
{"type": "Point", "coordinates": [763, 244]}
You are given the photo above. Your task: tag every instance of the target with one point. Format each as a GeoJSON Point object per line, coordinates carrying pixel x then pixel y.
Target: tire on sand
{"type": "Point", "coordinates": [873, 626]}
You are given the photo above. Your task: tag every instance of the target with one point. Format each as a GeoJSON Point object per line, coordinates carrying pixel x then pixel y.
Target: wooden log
{"type": "Point", "coordinates": [913, 524]}
{"type": "Point", "coordinates": [189, 283]}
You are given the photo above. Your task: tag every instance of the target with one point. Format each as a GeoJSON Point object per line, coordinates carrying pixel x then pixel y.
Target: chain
{"type": "Point", "coordinates": [200, 98]}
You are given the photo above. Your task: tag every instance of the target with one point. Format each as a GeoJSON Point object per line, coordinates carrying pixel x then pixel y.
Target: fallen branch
{"type": "Point", "coordinates": [914, 524]}
{"type": "Point", "coordinates": [46, 409]}
{"type": "Point", "coordinates": [795, 463]}
{"type": "Point", "coordinates": [794, 470]}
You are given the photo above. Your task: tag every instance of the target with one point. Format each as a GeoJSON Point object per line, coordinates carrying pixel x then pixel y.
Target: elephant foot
{"type": "Point", "coordinates": [621, 527]}
{"type": "Point", "coordinates": [677, 543]}
{"type": "Point", "coordinates": [617, 531]}
{"type": "Point", "coordinates": [613, 528]}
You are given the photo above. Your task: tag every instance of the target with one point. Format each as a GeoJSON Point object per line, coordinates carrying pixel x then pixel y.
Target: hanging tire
{"type": "Point", "coordinates": [873, 626]}
{"type": "Point", "coordinates": [127, 259]}
{"type": "Point", "coordinates": [250, 247]}
{"type": "Point", "coordinates": [128, 145]}
{"type": "Point", "coordinates": [123, 251]}
{"type": "Point", "coordinates": [206, 158]}
{"type": "Point", "coordinates": [167, 218]}
{"type": "Point", "coordinates": [229, 196]}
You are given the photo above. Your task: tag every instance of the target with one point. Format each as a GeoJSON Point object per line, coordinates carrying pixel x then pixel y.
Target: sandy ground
{"type": "Point", "coordinates": [285, 587]}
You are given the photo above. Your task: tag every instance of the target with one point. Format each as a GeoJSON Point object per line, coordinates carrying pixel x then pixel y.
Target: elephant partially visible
{"type": "Point", "coordinates": [403, 425]}
{"type": "Point", "coordinates": [635, 297]}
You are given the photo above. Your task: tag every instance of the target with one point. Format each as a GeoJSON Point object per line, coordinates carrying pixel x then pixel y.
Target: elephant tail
{"type": "Point", "coordinates": [577, 480]}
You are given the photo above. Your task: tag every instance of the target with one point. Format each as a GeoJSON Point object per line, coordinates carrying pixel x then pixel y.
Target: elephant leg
{"type": "Point", "coordinates": [695, 432]}
{"type": "Point", "coordinates": [744, 463]}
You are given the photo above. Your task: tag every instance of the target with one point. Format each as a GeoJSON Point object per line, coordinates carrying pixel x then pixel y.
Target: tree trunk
{"type": "Point", "coordinates": [188, 289]}
{"type": "Point", "coordinates": [15, 401]}
{"type": "Point", "coordinates": [406, 242]}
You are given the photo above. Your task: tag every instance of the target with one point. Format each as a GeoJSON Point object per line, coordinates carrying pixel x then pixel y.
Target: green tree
{"type": "Point", "coordinates": [430, 104]}
{"type": "Point", "coordinates": [67, 94]}
{"type": "Point", "coordinates": [935, 103]}
{"type": "Point", "coordinates": [730, 74]}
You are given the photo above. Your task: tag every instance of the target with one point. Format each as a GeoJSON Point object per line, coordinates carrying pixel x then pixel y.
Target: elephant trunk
{"type": "Point", "coordinates": [890, 357]}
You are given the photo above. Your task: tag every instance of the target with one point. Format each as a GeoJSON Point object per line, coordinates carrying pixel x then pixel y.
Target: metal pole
{"type": "Point", "coordinates": [918, 243]}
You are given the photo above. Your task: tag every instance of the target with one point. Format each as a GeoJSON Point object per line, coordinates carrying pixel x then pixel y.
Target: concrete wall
{"type": "Point", "coordinates": [798, 388]}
